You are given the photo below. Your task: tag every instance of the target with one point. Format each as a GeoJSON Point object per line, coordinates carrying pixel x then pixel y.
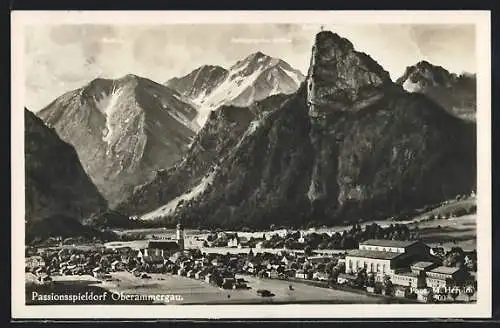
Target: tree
{"type": "Point", "coordinates": [421, 280]}
{"type": "Point", "coordinates": [442, 292]}
{"type": "Point", "coordinates": [470, 291]}
{"type": "Point", "coordinates": [454, 258]}
{"type": "Point", "coordinates": [454, 292]}
{"type": "Point", "coordinates": [308, 250]}
{"type": "Point", "coordinates": [370, 281]}
{"type": "Point", "coordinates": [361, 278]}
{"type": "Point", "coordinates": [388, 286]}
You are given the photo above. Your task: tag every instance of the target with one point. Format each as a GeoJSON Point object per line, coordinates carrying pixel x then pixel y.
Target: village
{"type": "Point", "coordinates": [388, 262]}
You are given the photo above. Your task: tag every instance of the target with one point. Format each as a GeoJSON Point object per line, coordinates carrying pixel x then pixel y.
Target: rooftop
{"type": "Point", "coordinates": [422, 265]}
{"type": "Point", "coordinates": [165, 245]}
{"type": "Point", "coordinates": [445, 270]}
{"type": "Point", "coordinates": [389, 243]}
{"type": "Point", "coordinates": [406, 274]}
{"type": "Point", "coordinates": [373, 254]}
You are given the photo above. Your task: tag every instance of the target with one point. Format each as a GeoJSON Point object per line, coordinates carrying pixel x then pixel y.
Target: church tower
{"type": "Point", "coordinates": [180, 236]}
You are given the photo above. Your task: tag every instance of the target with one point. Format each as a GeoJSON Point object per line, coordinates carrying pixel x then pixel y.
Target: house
{"type": "Point", "coordinates": [200, 275]}
{"type": "Point", "coordinates": [229, 283]}
{"type": "Point", "coordinates": [406, 279]}
{"type": "Point", "coordinates": [402, 292]}
{"type": "Point", "coordinates": [96, 272]}
{"type": "Point", "coordinates": [44, 279]}
{"type": "Point", "coordinates": [287, 259]}
{"type": "Point", "coordinates": [443, 276]}
{"type": "Point", "coordinates": [208, 278]}
{"type": "Point", "coordinates": [425, 295]}
{"type": "Point", "coordinates": [154, 259]}
{"type": "Point", "coordinates": [321, 276]}
{"type": "Point", "coordinates": [301, 274]}
{"type": "Point", "coordinates": [232, 242]}
{"type": "Point", "coordinates": [34, 262]}
{"type": "Point", "coordinates": [241, 283]}
{"type": "Point", "coordinates": [273, 274]}
{"type": "Point", "coordinates": [318, 259]}
{"type": "Point", "coordinates": [418, 267]}
{"type": "Point", "coordinates": [117, 265]}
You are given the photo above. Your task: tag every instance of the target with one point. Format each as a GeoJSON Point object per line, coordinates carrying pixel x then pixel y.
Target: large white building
{"type": "Point", "coordinates": [387, 257]}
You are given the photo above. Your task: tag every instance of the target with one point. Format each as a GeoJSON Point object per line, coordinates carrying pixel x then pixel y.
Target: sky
{"type": "Point", "coordinates": [60, 58]}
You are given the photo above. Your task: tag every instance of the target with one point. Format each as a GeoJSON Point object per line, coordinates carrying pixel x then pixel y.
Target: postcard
{"type": "Point", "coordinates": [251, 164]}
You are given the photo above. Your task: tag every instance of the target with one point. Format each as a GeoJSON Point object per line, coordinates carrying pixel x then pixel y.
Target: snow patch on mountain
{"type": "Point", "coordinates": [410, 86]}
{"type": "Point", "coordinates": [108, 105]}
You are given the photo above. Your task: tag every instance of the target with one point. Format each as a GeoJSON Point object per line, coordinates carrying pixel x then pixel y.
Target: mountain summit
{"type": "Point", "coordinates": [123, 130]}
{"type": "Point", "coordinates": [251, 79]}
{"type": "Point", "coordinates": [455, 93]}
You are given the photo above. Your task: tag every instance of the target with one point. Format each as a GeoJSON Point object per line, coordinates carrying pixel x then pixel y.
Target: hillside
{"type": "Point", "coordinates": [59, 194]}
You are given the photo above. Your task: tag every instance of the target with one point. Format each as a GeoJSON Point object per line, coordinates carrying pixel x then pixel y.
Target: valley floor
{"type": "Point", "coordinates": [199, 292]}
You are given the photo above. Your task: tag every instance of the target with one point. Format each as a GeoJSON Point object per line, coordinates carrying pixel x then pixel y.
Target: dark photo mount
{"type": "Point", "coordinates": [248, 148]}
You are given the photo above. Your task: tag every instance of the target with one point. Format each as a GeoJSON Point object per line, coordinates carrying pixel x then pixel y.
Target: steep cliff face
{"type": "Point", "coordinates": [387, 144]}
{"type": "Point", "coordinates": [123, 130]}
{"type": "Point", "coordinates": [59, 194]}
{"type": "Point", "coordinates": [349, 144]}
{"type": "Point", "coordinates": [455, 93]}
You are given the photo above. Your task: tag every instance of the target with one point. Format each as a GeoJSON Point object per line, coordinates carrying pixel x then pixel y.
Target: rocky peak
{"type": "Point", "coordinates": [424, 74]}
{"type": "Point", "coordinates": [340, 77]}
{"type": "Point", "coordinates": [252, 63]}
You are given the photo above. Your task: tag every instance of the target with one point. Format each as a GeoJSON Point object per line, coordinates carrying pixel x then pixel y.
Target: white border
{"type": "Point", "coordinates": [482, 309]}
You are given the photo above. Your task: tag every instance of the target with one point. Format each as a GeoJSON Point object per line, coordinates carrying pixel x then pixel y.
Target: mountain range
{"type": "Point", "coordinates": [349, 144]}
{"type": "Point", "coordinates": [58, 191]}
{"type": "Point", "coordinates": [253, 78]}
{"type": "Point", "coordinates": [260, 143]}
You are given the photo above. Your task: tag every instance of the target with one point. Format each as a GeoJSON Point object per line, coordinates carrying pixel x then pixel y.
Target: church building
{"type": "Point", "coordinates": [162, 248]}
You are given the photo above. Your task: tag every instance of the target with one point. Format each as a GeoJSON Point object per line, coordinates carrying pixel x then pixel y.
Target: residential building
{"type": "Point", "coordinates": [318, 259]}
{"type": "Point", "coordinates": [443, 276]}
{"type": "Point", "coordinates": [34, 262]}
{"type": "Point", "coordinates": [301, 274]}
{"type": "Point", "coordinates": [322, 276]}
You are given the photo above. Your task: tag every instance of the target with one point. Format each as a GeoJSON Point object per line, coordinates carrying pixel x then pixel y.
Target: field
{"type": "Point", "coordinates": [447, 233]}
{"type": "Point", "coordinates": [199, 292]}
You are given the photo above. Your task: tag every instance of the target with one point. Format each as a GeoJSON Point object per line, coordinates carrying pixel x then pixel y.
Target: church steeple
{"type": "Point", "coordinates": [180, 235]}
